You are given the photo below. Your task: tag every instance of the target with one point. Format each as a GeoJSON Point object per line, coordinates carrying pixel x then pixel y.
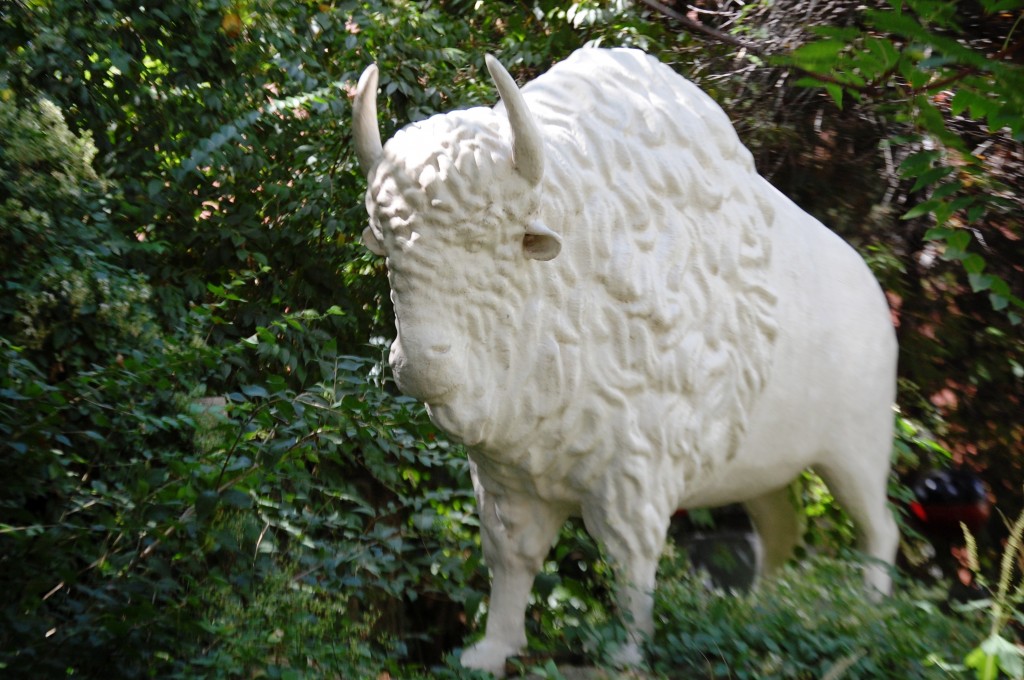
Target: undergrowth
{"type": "Point", "coordinates": [813, 621]}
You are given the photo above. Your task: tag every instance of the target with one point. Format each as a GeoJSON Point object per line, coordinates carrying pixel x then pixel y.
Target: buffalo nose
{"type": "Point", "coordinates": [438, 350]}
{"type": "Point", "coordinates": [430, 350]}
{"type": "Point", "coordinates": [425, 368]}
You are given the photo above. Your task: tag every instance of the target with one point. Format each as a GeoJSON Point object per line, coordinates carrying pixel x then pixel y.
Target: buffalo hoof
{"type": "Point", "coordinates": [489, 655]}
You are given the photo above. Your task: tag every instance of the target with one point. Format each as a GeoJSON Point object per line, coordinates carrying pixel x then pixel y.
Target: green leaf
{"type": "Point", "coordinates": [965, 98]}
{"type": "Point", "coordinates": [985, 666]}
{"type": "Point", "coordinates": [255, 391]}
{"type": "Point", "coordinates": [1007, 655]}
{"type": "Point", "coordinates": [844, 34]}
{"type": "Point", "coordinates": [974, 263]}
{"type": "Point", "coordinates": [206, 502]}
{"type": "Point", "coordinates": [808, 81]}
{"type": "Point", "coordinates": [885, 52]}
{"type": "Point", "coordinates": [933, 121]}
{"type": "Point", "coordinates": [960, 202]}
{"type": "Point", "coordinates": [1001, 287]}
{"type": "Point", "coordinates": [931, 175]}
{"type": "Point", "coordinates": [994, 6]}
{"type": "Point", "coordinates": [948, 189]}
{"type": "Point", "coordinates": [236, 498]}
{"type": "Point", "coordinates": [938, 234]}
{"type": "Point", "coordinates": [893, 22]}
{"type": "Point", "coordinates": [916, 163]}
{"type": "Point", "coordinates": [922, 208]}
{"type": "Point", "coordinates": [980, 282]}
{"type": "Point", "coordinates": [836, 92]}
{"type": "Point", "coordinates": [960, 239]}
{"type": "Point", "coordinates": [818, 56]}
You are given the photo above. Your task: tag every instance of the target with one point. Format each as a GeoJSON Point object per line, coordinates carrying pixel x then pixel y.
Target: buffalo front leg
{"type": "Point", "coordinates": [517, 532]}
{"type": "Point", "coordinates": [633, 536]}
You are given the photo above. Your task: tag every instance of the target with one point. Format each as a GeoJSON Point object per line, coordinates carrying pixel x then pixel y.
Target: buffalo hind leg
{"type": "Point", "coordinates": [779, 527]}
{"type": "Point", "coordinates": [862, 490]}
{"type": "Point", "coordinates": [516, 533]}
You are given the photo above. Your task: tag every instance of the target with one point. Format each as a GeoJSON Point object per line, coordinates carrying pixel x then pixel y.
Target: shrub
{"type": "Point", "coordinates": [148, 529]}
{"type": "Point", "coordinates": [813, 621]}
{"type": "Point", "coordinates": [173, 538]}
{"type": "Point", "coordinates": [87, 408]}
{"type": "Point", "coordinates": [66, 299]}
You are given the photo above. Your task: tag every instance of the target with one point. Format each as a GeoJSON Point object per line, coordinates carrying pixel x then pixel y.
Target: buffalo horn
{"type": "Point", "coordinates": [527, 145]}
{"type": "Point", "coordinates": [364, 120]}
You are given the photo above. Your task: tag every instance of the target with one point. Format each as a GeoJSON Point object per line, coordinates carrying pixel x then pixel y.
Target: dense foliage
{"type": "Point", "coordinates": [949, 82]}
{"type": "Point", "coordinates": [813, 622]}
{"type": "Point", "coordinates": [207, 472]}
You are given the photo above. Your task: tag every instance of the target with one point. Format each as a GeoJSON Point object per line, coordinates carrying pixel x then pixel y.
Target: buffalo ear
{"type": "Point", "coordinates": [540, 243]}
{"type": "Point", "coordinates": [372, 243]}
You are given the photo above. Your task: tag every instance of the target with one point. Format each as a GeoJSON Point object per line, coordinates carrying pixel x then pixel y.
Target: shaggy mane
{"type": "Point", "coordinates": [666, 221]}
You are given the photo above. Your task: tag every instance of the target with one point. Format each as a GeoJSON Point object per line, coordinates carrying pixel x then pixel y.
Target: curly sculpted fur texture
{"type": "Point", "coordinates": [653, 291]}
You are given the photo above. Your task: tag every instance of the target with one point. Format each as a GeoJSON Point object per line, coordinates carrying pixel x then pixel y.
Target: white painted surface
{"type": "Point", "coordinates": [619, 317]}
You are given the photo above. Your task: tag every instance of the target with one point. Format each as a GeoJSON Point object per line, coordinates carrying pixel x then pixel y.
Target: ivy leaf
{"type": "Point", "coordinates": [956, 245]}
{"type": "Point", "coordinates": [974, 263]}
{"type": "Point", "coordinates": [980, 282]}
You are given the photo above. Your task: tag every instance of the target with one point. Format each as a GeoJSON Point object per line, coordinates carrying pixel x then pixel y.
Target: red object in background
{"type": "Point", "coordinates": [945, 498]}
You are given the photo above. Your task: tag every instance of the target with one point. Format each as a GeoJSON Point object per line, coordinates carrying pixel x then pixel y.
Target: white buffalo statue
{"type": "Point", "coordinates": [599, 296]}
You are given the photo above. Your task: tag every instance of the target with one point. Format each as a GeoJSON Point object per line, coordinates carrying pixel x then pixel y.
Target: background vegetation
{"type": "Point", "coordinates": [206, 472]}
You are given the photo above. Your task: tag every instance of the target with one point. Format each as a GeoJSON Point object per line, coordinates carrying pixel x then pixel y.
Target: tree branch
{"type": "Point", "coordinates": [701, 28]}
